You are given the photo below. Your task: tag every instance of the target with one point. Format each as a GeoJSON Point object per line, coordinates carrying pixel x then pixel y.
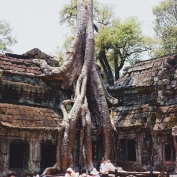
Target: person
{"type": "Point", "coordinates": [70, 173]}
{"type": "Point", "coordinates": [104, 168]}
{"type": "Point", "coordinates": [37, 175]}
{"type": "Point", "coordinates": [83, 173]}
{"type": "Point", "coordinates": [11, 175]}
{"type": "Point", "coordinates": [94, 173]}
{"type": "Point", "coordinates": [111, 166]}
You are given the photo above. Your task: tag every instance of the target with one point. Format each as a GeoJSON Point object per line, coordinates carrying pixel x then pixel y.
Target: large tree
{"type": "Point", "coordinates": [117, 42]}
{"type": "Point", "coordinates": [165, 27]}
{"type": "Point", "coordinates": [102, 15]}
{"type": "Point", "coordinates": [6, 39]}
{"type": "Point", "coordinates": [79, 72]}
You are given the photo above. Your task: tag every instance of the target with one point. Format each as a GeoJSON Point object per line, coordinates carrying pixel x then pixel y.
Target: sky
{"type": "Point", "coordinates": [36, 24]}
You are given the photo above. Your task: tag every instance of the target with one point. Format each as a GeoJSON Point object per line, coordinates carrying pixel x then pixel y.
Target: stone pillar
{"type": "Point", "coordinates": [4, 155]}
{"type": "Point", "coordinates": [174, 134]}
{"type": "Point", "coordinates": [34, 156]}
{"type": "Point", "coordinates": [139, 143]}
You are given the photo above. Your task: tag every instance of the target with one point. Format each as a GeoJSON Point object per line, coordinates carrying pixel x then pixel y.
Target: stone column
{"type": "Point", "coordinates": [174, 134]}
{"type": "Point", "coordinates": [34, 156]}
{"type": "Point", "coordinates": [4, 155]}
{"type": "Point", "coordinates": [139, 142]}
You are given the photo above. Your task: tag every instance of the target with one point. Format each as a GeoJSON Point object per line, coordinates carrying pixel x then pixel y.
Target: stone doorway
{"type": "Point", "coordinates": [19, 154]}
{"type": "Point", "coordinates": [169, 154]}
{"type": "Point", "coordinates": [48, 155]}
{"type": "Point", "coordinates": [128, 150]}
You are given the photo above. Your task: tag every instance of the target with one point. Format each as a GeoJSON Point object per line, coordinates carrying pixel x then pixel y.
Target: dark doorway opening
{"type": "Point", "coordinates": [167, 152]}
{"type": "Point", "coordinates": [48, 155]}
{"type": "Point", "coordinates": [18, 155]}
{"type": "Point", "coordinates": [123, 149]}
{"type": "Point", "coordinates": [127, 150]}
{"type": "Point", "coordinates": [131, 150]}
{"type": "Point", "coordinates": [170, 154]}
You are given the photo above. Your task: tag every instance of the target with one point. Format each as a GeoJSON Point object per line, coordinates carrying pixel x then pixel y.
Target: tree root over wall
{"type": "Point", "coordinates": [79, 72]}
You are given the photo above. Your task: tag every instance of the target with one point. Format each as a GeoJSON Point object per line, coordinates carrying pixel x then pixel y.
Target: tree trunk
{"type": "Point", "coordinates": [106, 67]}
{"type": "Point", "coordinates": [119, 61]}
{"type": "Point", "coordinates": [79, 72]}
{"type": "Point", "coordinates": [116, 67]}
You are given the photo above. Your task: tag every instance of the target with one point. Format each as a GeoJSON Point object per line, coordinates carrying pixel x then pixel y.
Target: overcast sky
{"type": "Point", "coordinates": [35, 23]}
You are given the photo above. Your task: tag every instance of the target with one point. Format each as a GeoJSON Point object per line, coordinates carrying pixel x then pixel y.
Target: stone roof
{"type": "Point", "coordinates": [131, 116]}
{"type": "Point", "coordinates": [147, 73]}
{"type": "Point", "coordinates": [139, 115]}
{"type": "Point", "coordinates": [16, 65]}
{"type": "Point", "coordinates": [28, 117]}
{"type": "Point", "coordinates": [19, 64]}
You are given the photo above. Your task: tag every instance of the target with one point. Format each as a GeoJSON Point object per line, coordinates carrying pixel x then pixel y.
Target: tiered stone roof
{"type": "Point", "coordinates": [149, 93]}
{"type": "Point", "coordinates": [28, 117]}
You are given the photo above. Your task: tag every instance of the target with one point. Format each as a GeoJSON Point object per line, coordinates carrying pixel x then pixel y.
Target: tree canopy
{"type": "Point", "coordinates": [166, 27]}
{"type": "Point", "coordinates": [123, 41]}
{"type": "Point", "coordinates": [6, 39]}
{"type": "Point", "coordinates": [102, 13]}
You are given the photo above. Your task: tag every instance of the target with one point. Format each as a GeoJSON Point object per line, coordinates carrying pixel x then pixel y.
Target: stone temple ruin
{"type": "Point", "coordinates": [146, 120]}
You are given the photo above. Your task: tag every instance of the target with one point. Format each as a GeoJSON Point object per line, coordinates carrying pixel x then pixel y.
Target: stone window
{"type": "Point", "coordinates": [19, 154]}
{"type": "Point", "coordinates": [10, 94]}
{"type": "Point", "coordinates": [48, 155]}
{"type": "Point", "coordinates": [168, 152]}
{"type": "Point", "coordinates": [127, 150]}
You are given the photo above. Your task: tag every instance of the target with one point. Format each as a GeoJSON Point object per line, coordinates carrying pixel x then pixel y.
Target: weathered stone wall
{"type": "Point", "coordinates": [33, 137]}
{"type": "Point", "coordinates": [148, 110]}
{"type": "Point", "coordinates": [28, 108]}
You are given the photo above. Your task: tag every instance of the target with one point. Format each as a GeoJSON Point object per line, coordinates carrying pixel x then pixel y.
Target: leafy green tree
{"type": "Point", "coordinates": [122, 41]}
{"type": "Point", "coordinates": [155, 45]}
{"type": "Point", "coordinates": [166, 27]}
{"type": "Point", "coordinates": [5, 36]}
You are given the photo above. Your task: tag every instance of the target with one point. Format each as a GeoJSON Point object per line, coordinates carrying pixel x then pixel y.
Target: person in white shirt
{"type": "Point", "coordinates": [94, 173]}
{"type": "Point", "coordinates": [69, 172]}
{"type": "Point", "coordinates": [104, 168]}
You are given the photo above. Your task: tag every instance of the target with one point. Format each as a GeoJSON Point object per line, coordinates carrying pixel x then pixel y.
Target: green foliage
{"type": "Point", "coordinates": [5, 37]}
{"type": "Point", "coordinates": [102, 13]}
{"type": "Point", "coordinates": [166, 25]}
{"type": "Point", "coordinates": [121, 39]}
{"type": "Point", "coordinates": [68, 13]}
{"type": "Point", "coordinates": [60, 55]}
{"type": "Point", "coordinates": [120, 34]}
{"type": "Point", "coordinates": [155, 44]}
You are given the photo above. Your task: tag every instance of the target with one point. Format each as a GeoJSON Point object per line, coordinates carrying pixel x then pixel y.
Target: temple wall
{"type": "Point", "coordinates": [144, 118]}
{"type": "Point", "coordinates": [148, 110]}
{"type": "Point", "coordinates": [32, 138]}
